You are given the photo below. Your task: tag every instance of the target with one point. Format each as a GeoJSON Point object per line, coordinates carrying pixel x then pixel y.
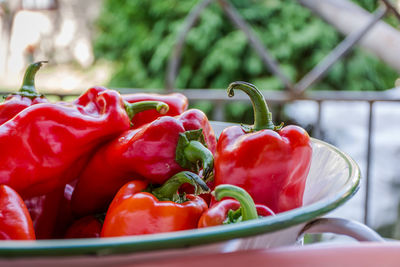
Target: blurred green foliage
{"type": "Point", "coordinates": [138, 37]}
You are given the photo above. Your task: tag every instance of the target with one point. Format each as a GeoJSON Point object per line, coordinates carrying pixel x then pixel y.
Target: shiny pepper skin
{"type": "Point", "coordinates": [271, 166]}
{"type": "Point", "coordinates": [147, 153]}
{"type": "Point", "coordinates": [15, 222]}
{"type": "Point", "coordinates": [139, 213]}
{"type": "Point", "coordinates": [218, 213]}
{"type": "Point", "coordinates": [16, 103]}
{"type": "Point", "coordinates": [177, 103]}
{"type": "Point", "coordinates": [142, 214]}
{"type": "Point", "coordinates": [270, 162]}
{"type": "Point", "coordinates": [228, 211]}
{"type": "Point", "coordinates": [46, 145]}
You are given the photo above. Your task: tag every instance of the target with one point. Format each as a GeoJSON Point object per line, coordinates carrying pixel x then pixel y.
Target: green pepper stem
{"type": "Point", "coordinates": [169, 189]}
{"type": "Point", "coordinates": [262, 115]}
{"type": "Point", "coordinates": [28, 84]}
{"type": "Point", "coordinates": [133, 108]}
{"type": "Point", "coordinates": [247, 206]}
{"type": "Point", "coordinates": [196, 151]}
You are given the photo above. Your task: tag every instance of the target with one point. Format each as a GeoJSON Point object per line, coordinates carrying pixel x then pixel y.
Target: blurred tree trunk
{"type": "Point", "coordinates": [8, 10]}
{"type": "Point", "coordinates": [382, 40]}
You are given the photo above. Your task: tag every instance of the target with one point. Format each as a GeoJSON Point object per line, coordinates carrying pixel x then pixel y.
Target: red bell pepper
{"type": "Point", "coordinates": [85, 227]}
{"type": "Point", "coordinates": [227, 211]}
{"type": "Point", "coordinates": [15, 222]}
{"type": "Point", "coordinates": [177, 103]}
{"type": "Point", "coordinates": [46, 145]}
{"type": "Point", "coordinates": [154, 152]}
{"type": "Point", "coordinates": [158, 211]}
{"type": "Point", "coordinates": [25, 97]}
{"type": "Point", "coordinates": [270, 162]}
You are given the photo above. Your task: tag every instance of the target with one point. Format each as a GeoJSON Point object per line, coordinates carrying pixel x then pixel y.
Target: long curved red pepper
{"type": "Point", "coordinates": [162, 210]}
{"type": "Point", "coordinates": [269, 162]}
{"type": "Point", "coordinates": [46, 145]}
{"type": "Point", "coordinates": [178, 103]}
{"type": "Point", "coordinates": [227, 211]}
{"type": "Point", "coordinates": [25, 97]}
{"type": "Point", "coordinates": [15, 222]}
{"type": "Point", "coordinates": [148, 153]}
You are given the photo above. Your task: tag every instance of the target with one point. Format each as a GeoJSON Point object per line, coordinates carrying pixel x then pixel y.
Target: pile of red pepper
{"type": "Point", "coordinates": [107, 165]}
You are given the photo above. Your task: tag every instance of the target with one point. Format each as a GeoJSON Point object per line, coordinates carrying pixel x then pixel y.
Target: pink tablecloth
{"type": "Point", "coordinates": [366, 254]}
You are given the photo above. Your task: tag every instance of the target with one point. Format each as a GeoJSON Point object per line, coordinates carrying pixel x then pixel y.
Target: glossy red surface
{"type": "Point", "coordinates": [141, 213]}
{"type": "Point", "coordinates": [177, 103]}
{"type": "Point", "coordinates": [15, 104]}
{"type": "Point", "coordinates": [46, 145]}
{"type": "Point", "coordinates": [144, 153]}
{"type": "Point", "coordinates": [217, 214]}
{"type": "Point", "coordinates": [15, 222]}
{"type": "Point", "coordinates": [271, 166]}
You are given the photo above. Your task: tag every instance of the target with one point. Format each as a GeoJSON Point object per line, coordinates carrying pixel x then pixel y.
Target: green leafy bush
{"type": "Point", "coordinates": [138, 37]}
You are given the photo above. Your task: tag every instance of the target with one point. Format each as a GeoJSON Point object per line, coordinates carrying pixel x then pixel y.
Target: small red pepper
{"type": "Point", "coordinates": [25, 97]}
{"type": "Point", "coordinates": [154, 152]}
{"type": "Point", "coordinates": [85, 227]}
{"type": "Point", "coordinates": [15, 222]}
{"type": "Point", "coordinates": [271, 163]}
{"type": "Point", "coordinates": [46, 145]}
{"type": "Point", "coordinates": [161, 210]}
{"type": "Point", "coordinates": [177, 103]}
{"type": "Point", "coordinates": [227, 211]}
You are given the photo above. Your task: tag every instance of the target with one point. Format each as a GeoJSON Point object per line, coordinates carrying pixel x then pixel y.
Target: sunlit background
{"type": "Point", "coordinates": [128, 43]}
{"type": "Point", "coordinates": [58, 31]}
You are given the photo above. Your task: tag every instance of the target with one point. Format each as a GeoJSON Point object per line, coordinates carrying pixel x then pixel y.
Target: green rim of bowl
{"type": "Point", "coordinates": [188, 238]}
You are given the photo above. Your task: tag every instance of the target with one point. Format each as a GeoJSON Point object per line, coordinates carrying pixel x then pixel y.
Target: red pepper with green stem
{"type": "Point", "coordinates": [25, 97]}
{"type": "Point", "coordinates": [158, 210]}
{"type": "Point", "coordinates": [270, 162]}
{"type": "Point", "coordinates": [227, 211]}
{"type": "Point", "coordinates": [154, 152]}
{"type": "Point", "coordinates": [177, 103]}
{"type": "Point", "coordinates": [46, 145]}
{"type": "Point", "coordinates": [15, 222]}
